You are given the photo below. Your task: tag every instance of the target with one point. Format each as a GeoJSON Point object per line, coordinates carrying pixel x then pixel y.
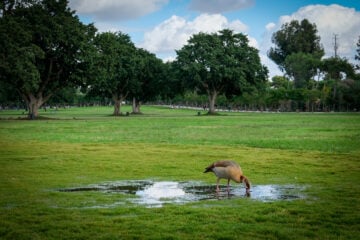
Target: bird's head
{"type": "Point", "coordinates": [246, 181]}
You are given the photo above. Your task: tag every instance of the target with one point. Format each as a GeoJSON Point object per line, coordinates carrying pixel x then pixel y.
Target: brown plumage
{"type": "Point", "coordinates": [229, 170]}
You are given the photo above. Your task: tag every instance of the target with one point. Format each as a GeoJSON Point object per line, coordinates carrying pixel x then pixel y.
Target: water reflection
{"type": "Point", "coordinates": [156, 194]}
{"type": "Point", "coordinates": [160, 193]}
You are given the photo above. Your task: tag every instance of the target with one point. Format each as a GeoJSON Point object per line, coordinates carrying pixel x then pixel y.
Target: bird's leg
{"type": "Point", "coordinates": [228, 186]}
{"type": "Point", "coordinates": [217, 185]}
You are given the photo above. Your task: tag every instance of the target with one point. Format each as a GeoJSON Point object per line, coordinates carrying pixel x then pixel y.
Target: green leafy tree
{"type": "Point", "coordinates": [220, 63]}
{"type": "Point", "coordinates": [336, 71]}
{"type": "Point", "coordinates": [301, 67]}
{"type": "Point", "coordinates": [295, 37]}
{"type": "Point", "coordinates": [43, 48]}
{"type": "Point", "coordinates": [146, 82]}
{"type": "Point", "coordinates": [279, 93]}
{"type": "Point", "coordinates": [172, 86]}
{"type": "Point", "coordinates": [337, 68]}
{"type": "Point", "coordinates": [298, 53]}
{"type": "Point", "coordinates": [115, 65]}
{"type": "Point", "coordinates": [350, 89]}
{"type": "Point", "coordinates": [280, 82]}
{"type": "Point", "coordinates": [8, 98]}
{"type": "Point", "coordinates": [66, 96]}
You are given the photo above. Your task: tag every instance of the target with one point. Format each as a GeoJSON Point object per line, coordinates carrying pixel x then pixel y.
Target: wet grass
{"type": "Point", "coordinates": [88, 146]}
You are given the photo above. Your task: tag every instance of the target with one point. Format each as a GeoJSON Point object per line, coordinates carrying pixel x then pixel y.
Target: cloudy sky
{"type": "Point", "coordinates": [162, 26]}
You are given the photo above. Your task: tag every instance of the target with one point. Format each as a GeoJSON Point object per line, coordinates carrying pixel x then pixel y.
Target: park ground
{"type": "Point", "coordinates": [82, 146]}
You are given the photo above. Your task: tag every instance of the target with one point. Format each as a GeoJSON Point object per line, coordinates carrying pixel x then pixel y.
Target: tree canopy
{"type": "Point", "coordinates": [220, 63]}
{"type": "Point", "coordinates": [295, 37]}
{"type": "Point", "coordinates": [115, 67]}
{"type": "Point", "coordinates": [301, 67]}
{"type": "Point", "coordinates": [148, 78]}
{"type": "Point", "coordinates": [43, 48]}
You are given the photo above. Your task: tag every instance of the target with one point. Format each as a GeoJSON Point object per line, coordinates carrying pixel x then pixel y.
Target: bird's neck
{"type": "Point", "coordinates": [246, 181]}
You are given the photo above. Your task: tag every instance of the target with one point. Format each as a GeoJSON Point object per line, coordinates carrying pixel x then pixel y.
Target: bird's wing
{"type": "Point", "coordinates": [221, 163]}
{"type": "Point", "coordinates": [225, 163]}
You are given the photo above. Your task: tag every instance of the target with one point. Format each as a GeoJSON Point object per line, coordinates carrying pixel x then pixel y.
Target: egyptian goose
{"type": "Point", "coordinates": [229, 170]}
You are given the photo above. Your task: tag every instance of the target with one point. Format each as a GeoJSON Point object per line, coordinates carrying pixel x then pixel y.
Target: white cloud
{"type": "Point", "coordinates": [237, 26]}
{"type": "Point", "coordinates": [105, 10]}
{"type": "Point", "coordinates": [107, 27]}
{"type": "Point", "coordinates": [253, 42]}
{"type": "Point", "coordinates": [272, 67]}
{"type": "Point", "coordinates": [270, 26]}
{"type": "Point", "coordinates": [329, 20]}
{"type": "Point", "coordinates": [219, 6]}
{"type": "Point", "coordinates": [169, 59]}
{"type": "Point", "coordinates": [174, 32]}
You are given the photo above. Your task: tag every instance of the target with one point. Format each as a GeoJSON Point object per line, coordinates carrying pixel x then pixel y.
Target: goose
{"type": "Point", "coordinates": [229, 170]}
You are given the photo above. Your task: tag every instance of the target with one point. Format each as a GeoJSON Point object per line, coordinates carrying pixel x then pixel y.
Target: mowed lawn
{"type": "Point", "coordinates": [81, 146]}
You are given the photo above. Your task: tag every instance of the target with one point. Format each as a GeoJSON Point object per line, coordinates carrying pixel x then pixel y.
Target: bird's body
{"type": "Point", "coordinates": [230, 170]}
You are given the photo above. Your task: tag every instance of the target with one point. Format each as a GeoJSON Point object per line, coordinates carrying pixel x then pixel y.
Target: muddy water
{"type": "Point", "coordinates": [156, 194]}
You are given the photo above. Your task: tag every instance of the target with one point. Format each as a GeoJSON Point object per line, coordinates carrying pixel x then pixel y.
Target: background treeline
{"type": "Point", "coordinates": [48, 57]}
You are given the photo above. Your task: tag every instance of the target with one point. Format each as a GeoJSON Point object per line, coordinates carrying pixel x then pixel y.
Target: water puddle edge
{"type": "Point", "coordinates": [157, 193]}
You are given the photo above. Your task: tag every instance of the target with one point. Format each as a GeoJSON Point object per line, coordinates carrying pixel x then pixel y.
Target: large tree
{"type": "Point", "coordinates": [295, 37]}
{"type": "Point", "coordinates": [43, 48]}
{"type": "Point", "coordinates": [220, 63]}
{"type": "Point", "coordinates": [297, 50]}
{"type": "Point", "coordinates": [115, 65]}
{"type": "Point", "coordinates": [146, 82]}
{"type": "Point", "coordinates": [337, 70]}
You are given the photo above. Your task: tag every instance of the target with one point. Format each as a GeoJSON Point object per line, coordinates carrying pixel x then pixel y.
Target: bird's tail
{"type": "Point", "coordinates": [246, 181]}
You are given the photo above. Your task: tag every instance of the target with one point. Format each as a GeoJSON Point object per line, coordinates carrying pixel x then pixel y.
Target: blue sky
{"type": "Point", "coordinates": [162, 26]}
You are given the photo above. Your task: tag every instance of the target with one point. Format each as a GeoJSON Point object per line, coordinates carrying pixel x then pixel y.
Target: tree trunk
{"type": "Point", "coordinates": [117, 104]}
{"type": "Point", "coordinates": [212, 100]}
{"type": "Point", "coordinates": [136, 106]}
{"type": "Point", "coordinates": [307, 105]}
{"type": "Point", "coordinates": [33, 104]}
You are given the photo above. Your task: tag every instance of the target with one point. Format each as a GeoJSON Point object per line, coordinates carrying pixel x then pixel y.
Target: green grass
{"type": "Point", "coordinates": [87, 145]}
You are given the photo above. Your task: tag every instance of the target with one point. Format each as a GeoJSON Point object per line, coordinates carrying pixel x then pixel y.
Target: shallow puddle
{"type": "Point", "coordinates": [155, 194]}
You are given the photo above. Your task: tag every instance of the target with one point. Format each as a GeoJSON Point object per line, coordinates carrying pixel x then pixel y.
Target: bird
{"type": "Point", "coordinates": [229, 170]}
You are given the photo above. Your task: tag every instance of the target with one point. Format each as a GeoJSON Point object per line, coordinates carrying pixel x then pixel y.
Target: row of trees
{"type": "Point", "coordinates": [124, 71]}
{"type": "Point", "coordinates": [299, 54]}
{"type": "Point", "coordinates": [47, 54]}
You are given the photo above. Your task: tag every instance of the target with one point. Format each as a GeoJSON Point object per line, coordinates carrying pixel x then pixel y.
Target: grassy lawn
{"type": "Point", "coordinates": [80, 146]}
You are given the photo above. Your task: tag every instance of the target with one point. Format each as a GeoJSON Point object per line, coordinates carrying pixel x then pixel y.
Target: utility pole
{"type": "Point", "coordinates": [336, 46]}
